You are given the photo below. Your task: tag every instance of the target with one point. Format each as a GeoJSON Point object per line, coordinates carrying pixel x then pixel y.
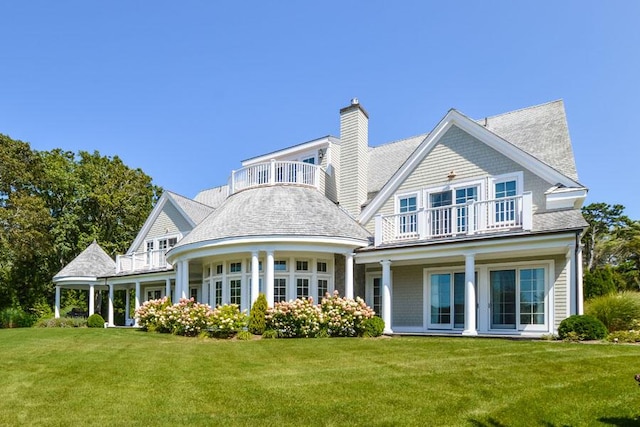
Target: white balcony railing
{"type": "Point", "coordinates": [273, 173]}
{"type": "Point", "coordinates": [141, 261]}
{"type": "Point", "coordinates": [509, 213]}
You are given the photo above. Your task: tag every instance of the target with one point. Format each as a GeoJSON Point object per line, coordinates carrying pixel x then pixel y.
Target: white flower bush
{"type": "Point", "coordinates": [190, 318]}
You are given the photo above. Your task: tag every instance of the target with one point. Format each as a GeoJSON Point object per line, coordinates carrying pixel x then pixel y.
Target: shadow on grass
{"type": "Point", "coordinates": [620, 421]}
{"type": "Point", "coordinates": [490, 422]}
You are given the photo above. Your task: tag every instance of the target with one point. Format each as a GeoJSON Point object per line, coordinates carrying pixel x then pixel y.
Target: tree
{"type": "Point", "coordinates": [603, 220]}
{"type": "Point", "coordinates": [53, 204]}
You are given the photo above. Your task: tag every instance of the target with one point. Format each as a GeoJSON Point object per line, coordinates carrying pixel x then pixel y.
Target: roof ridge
{"type": "Point", "coordinates": [173, 193]}
{"type": "Point", "coordinates": [397, 141]}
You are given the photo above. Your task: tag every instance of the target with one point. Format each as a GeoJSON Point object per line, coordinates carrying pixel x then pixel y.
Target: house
{"type": "Point", "coordinates": [472, 228]}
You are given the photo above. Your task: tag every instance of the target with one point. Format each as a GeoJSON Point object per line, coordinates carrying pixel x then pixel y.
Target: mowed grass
{"type": "Point", "coordinates": [119, 377]}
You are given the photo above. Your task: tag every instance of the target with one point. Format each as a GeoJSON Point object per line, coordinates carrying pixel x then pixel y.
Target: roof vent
{"type": "Point", "coordinates": [355, 101]}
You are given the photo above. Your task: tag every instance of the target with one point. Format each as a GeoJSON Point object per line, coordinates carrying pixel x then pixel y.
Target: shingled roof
{"type": "Point", "coordinates": [195, 210]}
{"type": "Point", "coordinates": [92, 262]}
{"type": "Point", "coordinates": [540, 130]}
{"type": "Point", "coordinates": [277, 211]}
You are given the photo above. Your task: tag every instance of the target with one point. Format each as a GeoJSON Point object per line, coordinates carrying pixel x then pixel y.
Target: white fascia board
{"type": "Point", "coordinates": [479, 132]}
{"type": "Point", "coordinates": [249, 244]}
{"type": "Point", "coordinates": [156, 277]}
{"type": "Point", "coordinates": [290, 151]}
{"type": "Point", "coordinates": [565, 198]}
{"type": "Point", "coordinates": [75, 280]}
{"type": "Point", "coordinates": [556, 243]}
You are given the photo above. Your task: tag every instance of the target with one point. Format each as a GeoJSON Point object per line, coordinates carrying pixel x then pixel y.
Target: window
{"type": "Point", "coordinates": [408, 220]}
{"type": "Point", "coordinates": [217, 290]}
{"type": "Point", "coordinates": [505, 205]}
{"type": "Point", "coordinates": [310, 160]}
{"type": "Point", "coordinates": [235, 288]}
{"type": "Point", "coordinates": [166, 244]}
{"type": "Point", "coordinates": [302, 266]}
{"type": "Point", "coordinates": [280, 265]}
{"type": "Point", "coordinates": [447, 300]}
{"type": "Point", "coordinates": [150, 246]}
{"type": "Point", "coordinates": [302, 286]}
{"type": "Point", "coordinates": [193, 293]}
{"type": "Point", "coordinates": [235, 267]}
{"type": "Point", "coordinates": [322, 267]}
{"type": "Point", "coordinates": [463, 196]}
{"type": "Point", "coordinates": [279, 289]}
{"type": "Point", "coordinates": [323, 288]}
{"type": "Point", "coordinates": [377, 295]}
{"type": "Point", "coordinates": [219, 269]}
{"type": "Point", "coordinates": [517, 298]}
{"type": "Point", "coordinates": [154, 294]}
{"type": "Point", "coordinates": [440, 214]}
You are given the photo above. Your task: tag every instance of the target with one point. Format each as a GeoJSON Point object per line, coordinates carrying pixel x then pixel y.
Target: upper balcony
{"type": "Point", "coordinates": [472, 218]}
{"type": "Point", "coordinates": [142, 261]}
{"type": "Point", "coordinates": [276, 172]}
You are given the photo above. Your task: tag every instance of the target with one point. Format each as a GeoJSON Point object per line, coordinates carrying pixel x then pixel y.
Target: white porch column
{"type": "Point", "coordinates": [57, 305]}
{"type": "Point", "coordinates": [92, 299]}
{"type": "Point", "coordinates": [184, 273]}
{"type": "Point", "coordinates": [579, 284]}
{"type": "Point", "coordinates": [127, 306]}
{"type": "Point", "coordinates": [137, 303]}
{"type": "Point", "coordinates": [255, 277]}
{"type": "Point", "coordinates": [571, 280]}
{"type": "Point", "coordinates": [348, 275]}
{"type": "Point", "coordinates": [470, 295]}
{"type": "Point", "coordinates": [111, 315]}
{"type": "Point", "coordinates": [268, 278]}
{"type": "Point", "coordinates": [167, 286]}
{"type": "Point", "coordinates": [386, 295]}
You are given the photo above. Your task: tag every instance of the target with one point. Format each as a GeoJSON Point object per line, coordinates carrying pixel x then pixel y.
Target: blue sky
{"type": "Point", "coordinates": [186, 90]}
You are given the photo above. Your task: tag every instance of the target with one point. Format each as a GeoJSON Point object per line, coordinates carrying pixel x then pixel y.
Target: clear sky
{"type": "Point", "coordinates": [185, 90]}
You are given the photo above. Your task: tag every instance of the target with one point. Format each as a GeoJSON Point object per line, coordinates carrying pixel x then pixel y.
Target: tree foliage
{"type": "Point", "coordinates": [53, 204]}
{"type": "Point", "coordinates": [612, 250]}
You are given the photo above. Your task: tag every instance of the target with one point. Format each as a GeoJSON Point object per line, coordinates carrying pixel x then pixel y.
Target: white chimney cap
{"type": "Point", "coordinates": [354, 101]}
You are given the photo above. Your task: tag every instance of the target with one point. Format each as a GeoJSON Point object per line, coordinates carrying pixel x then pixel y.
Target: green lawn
{"type": "Point", "coordinates": [127, 377]}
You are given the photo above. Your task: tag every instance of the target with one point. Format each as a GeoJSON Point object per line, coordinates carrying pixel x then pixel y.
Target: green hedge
{"type": "Point", "coordinates": [581, 327]}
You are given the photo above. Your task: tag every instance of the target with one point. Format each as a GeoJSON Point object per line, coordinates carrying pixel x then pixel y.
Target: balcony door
{"type": "Point", "coordinates": [449, 210]}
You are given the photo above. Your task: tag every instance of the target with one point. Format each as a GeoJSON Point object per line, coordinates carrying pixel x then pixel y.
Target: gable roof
{"type": "Point", "coordinates": [493, 140]}
{"type": "Point", "coordinates": [192, 211]}
{"type": "Point", "coordinates": [540, 130]}
{"type": "Point", "coordinates": [92, 262]}
{"type": "Point", "coordinates": [276, 211]}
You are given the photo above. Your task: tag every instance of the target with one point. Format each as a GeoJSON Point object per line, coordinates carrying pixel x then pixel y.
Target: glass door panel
{"type": "Point", "coordinates": [440, 301]}
{"type": "Point", "coordinates": [440, 214]}
{"type": "Point", "coordinates": [503, 299]}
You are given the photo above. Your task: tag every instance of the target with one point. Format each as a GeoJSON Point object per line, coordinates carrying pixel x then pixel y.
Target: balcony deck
{"type": "Point", "coordinates": [276, 173]}
{"type": "Point", "coordinates": [142, 261]}
{"type": "Point", "coordinates": [473, 218]}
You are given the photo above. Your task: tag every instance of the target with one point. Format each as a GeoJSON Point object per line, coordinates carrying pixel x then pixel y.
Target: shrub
{"type": "Point", "coordinates": [373, 327]}
{"type": "Point", "coordinates": [269, 334]}
{"type": "Point", "coordinates": [257, 316]}
{"type": "Point", "coordinates": [299, 318]}
{"type": "Point", "coordinates": [244, 336]}
{"type": "Point", "coordinates": [15, 317]}
{"type": "Point", "coordinates": [151, 315]}
{"type": "Point", "coordinates": [624, 336]}
{"type": "Point", "coordinates": [227, 320]}
{"type": "Point", "coordinates": [344, 317]}
{"type": "Point", "coordinates": [601, 281]}
{"type": "Point", "coordinates": [582, 327]}
{"type": "Point", "coordinates": [618, 312]}
{"type": "Point", "coordinates": [95, 321]}
{"type": "Point", "coordinates": [62, 322]}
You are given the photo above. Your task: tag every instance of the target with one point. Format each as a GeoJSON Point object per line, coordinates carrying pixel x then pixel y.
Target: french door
{"type": "Point", "coordinates": [446, 300]}
{"type": "Point", "coordinates": [518, 299]}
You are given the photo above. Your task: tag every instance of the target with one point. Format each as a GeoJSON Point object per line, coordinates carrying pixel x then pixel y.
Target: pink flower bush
{"type": "Point", "coordinates": [344, 317]}
{"type": "Point", "coordinates": [335, 317]}
{"type": "Point", "coordinates": [190, 318]}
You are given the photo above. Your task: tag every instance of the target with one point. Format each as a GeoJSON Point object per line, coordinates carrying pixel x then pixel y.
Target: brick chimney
{"type": "Point", "coordinates": [354, 157]}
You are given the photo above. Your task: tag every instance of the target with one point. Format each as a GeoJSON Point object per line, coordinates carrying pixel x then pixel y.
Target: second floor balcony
{"type": "Point", "coordinates": [472, 218]}
{"type": "Point", "coordinates": [276, 172]}
{"type": "Point", "coordinates": [142, 261]}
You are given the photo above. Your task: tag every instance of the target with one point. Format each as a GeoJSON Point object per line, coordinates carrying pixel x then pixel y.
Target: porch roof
{"type": "Point", "coordinates": [92, 262]}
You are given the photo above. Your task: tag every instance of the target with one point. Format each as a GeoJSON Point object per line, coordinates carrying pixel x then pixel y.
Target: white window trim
{"type": "Point", "coordinates": [426, 316]}
{"type": "Point", "coordinates": [480, 183]}
{"type": "Point", "coordinates": [401, 196]}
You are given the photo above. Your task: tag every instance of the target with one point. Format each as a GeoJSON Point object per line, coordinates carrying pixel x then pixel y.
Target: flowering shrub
{"type": "Point", "coordinates": [299, 318]}
{"type": "Point", "coordinates": [190, 318]}
{"type": "Point", "coordinates": [344, 317]}
{"type": "Point", "coordinates": [334, 317]}
{"type": "Point", "coordinates": [226, 320]}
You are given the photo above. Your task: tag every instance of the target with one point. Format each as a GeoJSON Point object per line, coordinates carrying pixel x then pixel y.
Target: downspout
{"type": "Point", "coordinates": [578, 268]}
